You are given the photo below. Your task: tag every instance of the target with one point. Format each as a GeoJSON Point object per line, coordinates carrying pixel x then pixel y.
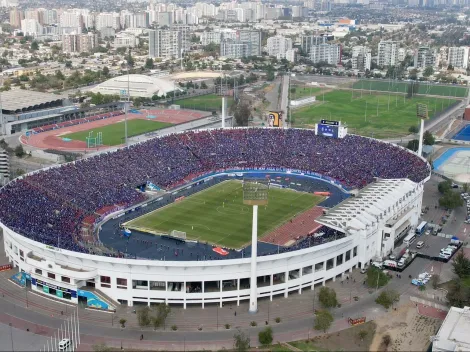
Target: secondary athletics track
{"type": "Point", "coordinates": [52, 140]}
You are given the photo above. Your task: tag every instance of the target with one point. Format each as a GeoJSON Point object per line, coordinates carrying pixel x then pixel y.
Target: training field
{"type": "Point", "coordinates": [204, 102]}
{"type": "Point", "coordinates": [424, 88]}
{"type": "Point", "coordinates": [218, 216]}
{"type": "Point", "coordinates": [114, 134]}
{"type": "Point", "coordinates": [374, 115]}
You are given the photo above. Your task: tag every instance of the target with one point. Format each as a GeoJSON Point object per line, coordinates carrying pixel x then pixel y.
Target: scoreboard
{"type": "Point", "coordinates": [274, 119]}
{"type": "Point", "coordinates": [332, 129]}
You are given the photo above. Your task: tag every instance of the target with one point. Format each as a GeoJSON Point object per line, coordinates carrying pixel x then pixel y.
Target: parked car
{"type": "Point", "coordinates": [420, 244]}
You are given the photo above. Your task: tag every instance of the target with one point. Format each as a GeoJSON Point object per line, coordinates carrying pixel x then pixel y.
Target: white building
{"type": "Point", "coordinates": [165, 43]}
{"type": "Point", "coordinates": [107, 19]}
{"type": "Point", "coordinates": [401, 54]}
{"type": "Point", "coordinates": [125, 40]}
{"type": "Point", "coordinates": [217, 36]}
{"type": "Point", "coordinates": [278, 46]}
{"type": "Point", "coordinates": [31, 27]}
{"type": "Point", "coordinates": [458, 57]}
{"type": "Point", "coordinates": [371, 223]}
{"type": "Point", "coordinates": [235, 49]}
{"type": "Point", "coordinates": [387, 53]}
{"type": "Point", "coordinates": [330, 53]}
{"type": "Point", "coordinates": [453, 335]}
{"type": "Point", "coordinates": [424, 57]}
{"type": "Point", "coordinates": [71, 20]}
{"type": "Point", "coordinates": [361, 58]}
{"type": "Point", "coordinates": [291, 55]}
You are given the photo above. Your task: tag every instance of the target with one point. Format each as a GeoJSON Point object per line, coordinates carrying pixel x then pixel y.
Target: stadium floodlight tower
{"type": "Point", "coordinates": [422, 114]}
{"type": "Point", "coordinates": [255, 193]}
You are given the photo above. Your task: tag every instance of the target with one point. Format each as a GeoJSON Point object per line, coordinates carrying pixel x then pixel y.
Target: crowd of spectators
{"type": "Point", "coordinates": [49, 206]}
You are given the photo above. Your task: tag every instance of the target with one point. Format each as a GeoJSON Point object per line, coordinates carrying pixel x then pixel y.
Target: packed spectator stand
{"type": "Point", "coordinates": [49, 206]}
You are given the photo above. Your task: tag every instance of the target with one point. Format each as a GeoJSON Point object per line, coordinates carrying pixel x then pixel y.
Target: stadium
{"type": "Point", "coordinates": [163, 221]}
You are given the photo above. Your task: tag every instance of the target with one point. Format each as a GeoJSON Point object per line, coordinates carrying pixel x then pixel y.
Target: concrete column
{"type": "Point", "coordinates": [421, 134]}
{"type": "Point", "coordinates": [254, 253]}
{"type": "Point", "coordinates": [223, 112]}
{"type": "Point", "coordinates": [203, 290]}
{"type": "Point", "coordinates": [300, 277]}
{"type": "Point", "coordinates": [220, 296]}
{"type": "Point", "coordinates": [271, 283]}
{"type": "Point", "coordinates": [286, 292]}
{"type": "Point", "coordinates": [238, 290]}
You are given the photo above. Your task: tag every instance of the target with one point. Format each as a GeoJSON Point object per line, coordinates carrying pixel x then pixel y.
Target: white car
{"type": "Point", "coordinates": [64, 344]}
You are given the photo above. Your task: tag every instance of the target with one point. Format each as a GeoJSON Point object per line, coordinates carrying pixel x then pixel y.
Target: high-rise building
{"type": "Point", "coordinates": [387, 53]}
{"type": "Point", "coordinates": [329, 53]}
{"type": "Point", "coordinates": [401, 54]}
{"type": "Point", "coordinates": [185, 31]}
{"type": "Point", "coordinates": [79, 43]}
{"type": "Point", "coordinates": [108, 19]}
{"type": "Point", "coordinates": [458, 57]}
{"type": "Point", "coordinates": [49, 16]}
{"type": "Point", "coordinates": [165, 43]}
{"type": "Point", "coordinates": [361, 58]}
{"type": "Point", "coordinates": [424, 57]}
{"type": "Point", "coordinates": [235, 49]}
{"type": "Point", "coordinates": [125, 40]}
{"type": "Point", "coordinates": [142, 19]}
{"type": "Point", "coordinates": [31, 27]}
{"type": "Point", "coordinates": [307, 41]}
{"type": "Point", "coordinates": [216, 37]}
{"type": "Point", "coordinates": [34, 14]}
{"type": "Point", "coordinates": [252, 37]}
{"type": "Point", "coordinates": [278, 46]}
{"type": "Point", "coordinates": [15, 18]}
{"type": "Point", "coordinates": [165, 19]}
{"type": "Point", "coordinates": [71, 20]}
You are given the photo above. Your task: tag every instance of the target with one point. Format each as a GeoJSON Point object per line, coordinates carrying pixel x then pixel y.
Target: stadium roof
{"type": "Point", "coordinates": [16, 101]}
{"type": "Point", "coordinates": [139, 86]}
{"type": "Point", "coordinates": [453, 333]}
{"type": "Point", "coordinates": [371, 203]}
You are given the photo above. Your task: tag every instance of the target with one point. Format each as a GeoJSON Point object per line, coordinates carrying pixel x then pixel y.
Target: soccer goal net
{"type": "Point", "coordinates": [178, 234]}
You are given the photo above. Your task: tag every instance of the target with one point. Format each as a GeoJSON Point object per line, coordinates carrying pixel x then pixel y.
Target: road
{"type": "Point", "coordinates": [284, 99]}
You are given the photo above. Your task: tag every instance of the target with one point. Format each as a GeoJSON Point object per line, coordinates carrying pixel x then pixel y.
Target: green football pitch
{"type": "Point", "coordinates": [204, 102]}
{"type": "Point", "coordinates": [426, 88]}
{"type": "Point", "coordinates": [114, 134]}
{"type": "Point", "coordinates": [218, 216]}
{"type": "Point", "coordinates": [378, 115]}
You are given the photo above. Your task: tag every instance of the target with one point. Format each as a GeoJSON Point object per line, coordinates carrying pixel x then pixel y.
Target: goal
{"type": "Point", "coordinates": [178, 234]}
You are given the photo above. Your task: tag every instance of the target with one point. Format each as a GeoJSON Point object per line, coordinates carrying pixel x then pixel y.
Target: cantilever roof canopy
{"type": "Point", "coordinates": [371, 204]}
{"type": "Point", "coordinates": [18, 101]}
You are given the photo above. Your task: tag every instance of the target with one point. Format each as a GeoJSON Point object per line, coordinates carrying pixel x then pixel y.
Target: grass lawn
{"type": "Point", "coordinates": [303, 91]}
{"type": "Point", "coordinates": [424, 88]}
{"type": "Point", "coordinates": [217, 215]}
{"type": "Point", "coordinates": [114, 134]}
{"type": "Point", "coordinates": [208, 102]}
{"type": "Point", "coordinates": [395, 114]}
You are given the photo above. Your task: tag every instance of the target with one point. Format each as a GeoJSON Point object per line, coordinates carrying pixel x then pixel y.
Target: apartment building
{"type": "Point", "coordinates": [424, 57]}
{"type": "Point", "coordinates": [4, 167]}
{"type": "Point", "coordinates": [217, 36]}
{"type": "Point", "coordinates": [458, 57]}
{"type": "Point", "coordinates": [278, 46]}
{"type": "Point", "coordinates": [252, 37]}
{"type": "Point", "coordinates": [361, 58]}
{"type": "Point", "coordinates": [165, 43]}
{"type": "Point", "coordinates": [79, 43]}
{"type": "Point", "coordinates": [387, 53]}
{"type": "Point", "coordinates": [15, 18]}
{"type": "Point", "coordinates": [235, 49]}
{"type": "Point", "coordinates": [330, 53]}
{"type": "Point", "coordinates": [307, 41]}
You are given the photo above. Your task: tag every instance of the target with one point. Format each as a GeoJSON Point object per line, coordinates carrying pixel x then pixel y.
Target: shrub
{"type": "Point", "coordinates": [227, 326]}
{"type": "Point", "coordinates": [253, 323]}
{"type": "Point", "coordinates": [122, 322]}
{"type": "Point", "coordinates": [266, 336]}
{"type": "Point", "coordinates": [277, 320]}
{"type": "Point", "coordinates": [174, 327]}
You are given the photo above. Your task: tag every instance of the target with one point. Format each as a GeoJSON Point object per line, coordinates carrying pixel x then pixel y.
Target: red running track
{"type": "Point", "coordinates": [52, 140]}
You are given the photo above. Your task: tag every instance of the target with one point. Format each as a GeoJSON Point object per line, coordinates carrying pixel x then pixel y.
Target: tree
{"type": "Point", "coordinates": [434, 281]}
{"type": "Point", "coordinates": [376, 278]}
{"type": "Point", "coordinates": [242, 113]}
{"type": "Point", "coordinates": [444, 186]}
{"type": "Point", "coordinates": [122, 321]}
{"type": "Point", "coordinates": [143, 316]}
{"type": "Point", "coordinates": [386, 340]}
{"type": "Point", "coordinates": [413, 145]}
{"type": "Point", "coordinates": [428, 138]}
{"type": "Point", "coordinates": [203, 85]}
{"type": "Point", "coordinates": [265, 336]}
{"type": "Point", "coordinates": [323, 320]}
{"type": "Point", "coordinates": [412, 89]}
{"type": "Point", "coordinates": [465, 187]}
{"type": "Point", "coordinates": [458, 293]}
{"type": "Point", "coordinates": [105, 71]}
{"type": "Point", "coordinates": [428, 71]}
{"type": "Point", "coordinates": [19, 151]}
{"type": "Point", "coordinates": [270, 75]}
{"type": "Point", "coordinates": [327, 297]}
{"type": "Point", "coordinates": [387, 298]}
{"type": "Point", "coordinates": [451, 200]}
{"type": "Point", "coordinates": [34, 45]}
{"type": "Point", "coordinates": [160, 313]}
{"type": "Point", "coordinates": [413, 129]}
{"type": "Point", "coordinates": [450, 68]}
{"type": "Point", "coordinates": [68, 64]}
{"type": "Point", "coordinates": [461, 265]}
{"type": "Point", "coordinates": [241, 341]}
{"type": "Point", "coordinates": [149, 64]}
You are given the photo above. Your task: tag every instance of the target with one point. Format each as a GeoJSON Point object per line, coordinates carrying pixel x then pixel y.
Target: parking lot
{"type": "Point", "coordinates": [432, 245]}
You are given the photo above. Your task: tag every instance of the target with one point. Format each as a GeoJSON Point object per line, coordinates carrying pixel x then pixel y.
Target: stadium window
{"type": "Point", "coordinates": [348, 255]}
{"type": "Point", "coordinates": [21, 253]}
{"type": "Point", "coordinates": [121, 283]}
{"type": "Point", "coordinates": [339, 260]}
{"type": "Point", "coordinates": [330, 264]}
{"type": "Point", "coordinates": [319, 266]}
{"type": "Point", "coordinates": [65, 279]}
{"type": "Point", "coordinates": [105, 281]}
{"type": "Point", "coordinates": [355, 251]}
{"type": "Point", "coordinates": [51, 276]}
{"type": "Point", "coordinates": [38, 271]}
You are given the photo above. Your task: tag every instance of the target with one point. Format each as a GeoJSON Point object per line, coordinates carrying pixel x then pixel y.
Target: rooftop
{"type": "Point", "coordinates": [454, 332]}
{"type": "Point", "coordinates": [25, 100]}
{"type": "Point", "coordinates": [374, 201]}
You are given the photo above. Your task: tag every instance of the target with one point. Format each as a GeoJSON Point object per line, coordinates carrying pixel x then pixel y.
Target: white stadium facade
{"type": "Point", "coordinates": [372, 221]}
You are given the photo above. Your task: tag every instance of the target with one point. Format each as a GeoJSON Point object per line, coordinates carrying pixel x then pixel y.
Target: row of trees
{"type": "Point", "coordinates": [458, 293]}
{"type": "Point", "coordinates": [449, 199]}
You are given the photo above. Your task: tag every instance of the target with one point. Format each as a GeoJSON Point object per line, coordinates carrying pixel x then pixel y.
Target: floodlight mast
{"type": "Point", "coordinates": [255, 193]}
